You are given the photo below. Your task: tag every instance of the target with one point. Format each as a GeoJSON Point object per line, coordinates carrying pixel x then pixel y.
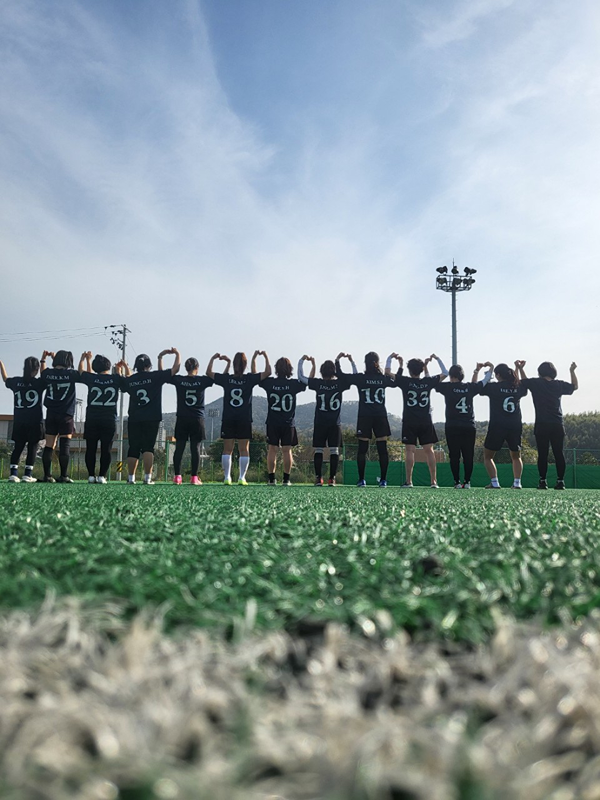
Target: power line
{"type": "Point", "coordinates": [45, 338]}
{"type": "Point", "coordinates": [55, 330]}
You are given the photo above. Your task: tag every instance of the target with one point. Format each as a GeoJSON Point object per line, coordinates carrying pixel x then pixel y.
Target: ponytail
{"type": "Point", "coordinates": [31, 367]}
{"type": "Point", "coordinates": [504, 373]}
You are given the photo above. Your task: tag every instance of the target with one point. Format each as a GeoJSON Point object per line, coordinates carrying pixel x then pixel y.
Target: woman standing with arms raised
{"type": "Point", "coordinates": [28, 425]}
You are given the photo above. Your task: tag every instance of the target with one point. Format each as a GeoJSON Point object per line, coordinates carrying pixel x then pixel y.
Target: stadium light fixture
{"type": "Point", "coordinates": [458, 283]}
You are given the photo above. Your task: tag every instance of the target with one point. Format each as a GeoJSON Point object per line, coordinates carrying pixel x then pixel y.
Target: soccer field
{"type": "Point", "coordinates": [341, 554]}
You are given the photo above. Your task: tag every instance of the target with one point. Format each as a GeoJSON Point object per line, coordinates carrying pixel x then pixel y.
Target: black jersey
{"type": "Point", "coordinates": [416, 393]}
{"type": "Point", "coordinates": [505, 403]}
{"type": "Point", "coordinates": [328, 408]}
{"type": "Point", "coordinates": [59, 385]}
{"type": "Point", "coordinates": [281, 399]}
{"type": "Point", "coordinates": [103, 395]}
{"type": "Point", "coordinates": [28, 399]}
{"type": "Point", "coordinates": [546, 398]}
{"type": "Point", "coordinates": [459, 402]}
{"type": "Point", "coordinates": [371, 391]}
{"type": "Point", "coordinates": [190, 394]}
{"type": "Point", "coordinates": [145, 394]}
{"type": "Point", "coordinates": [237, 394]}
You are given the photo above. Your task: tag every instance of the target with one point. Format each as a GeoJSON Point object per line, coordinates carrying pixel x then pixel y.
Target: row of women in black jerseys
{"type": "Point", "coordinates": [57, 386]}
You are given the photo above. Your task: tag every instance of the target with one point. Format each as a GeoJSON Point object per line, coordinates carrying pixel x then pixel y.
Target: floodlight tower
{"type": "Point", "coordinates": [118, 337]}
{"type": "Point", "coordinates": [453, 282]}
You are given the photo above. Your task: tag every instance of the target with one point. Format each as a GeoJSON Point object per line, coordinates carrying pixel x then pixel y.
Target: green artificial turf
{"type": "Point", "coordinates": [302, 552]}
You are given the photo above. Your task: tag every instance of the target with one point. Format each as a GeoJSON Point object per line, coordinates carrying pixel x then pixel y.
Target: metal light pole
{"type": "Point", "coordinates": [454, 282]}
{"type": "Point", "coordinates": [212, 413]}
{"type": "Point", "coordinates": [119, 339]}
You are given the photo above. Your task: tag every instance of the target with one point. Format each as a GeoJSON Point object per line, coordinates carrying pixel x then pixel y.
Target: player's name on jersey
{"type": "Point", "coordinates": [140, 382]}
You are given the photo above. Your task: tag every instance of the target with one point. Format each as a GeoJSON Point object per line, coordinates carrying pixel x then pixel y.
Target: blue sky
{"type": "Point", "coordinates": [242, 174]}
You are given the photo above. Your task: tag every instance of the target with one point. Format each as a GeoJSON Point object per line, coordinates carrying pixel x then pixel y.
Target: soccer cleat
{"type": "Point", "coordinates": [64, 479]}
{"type": "Point", "coordinates": [195, 481]}
{"type": "Point", "coordinates": [407, 485]}
{"type": "Point", "coordinates": [227, 481]}
{"type": "Point", "coordinates": [287, 482]}
{"type": "Point", "coordinates": [148, 482]}
{"type": "Point", "coordinates": [560, 485]}
{"type": "Point", "coordinates": [47, 479]}
{"type": "Point", "coordinates": [92, 479]}
{"type": "Point", "coordinates": [466, 485]}
{"type": "Point", "coordinates": [318, 481]}
{"type": "Point", "coordinates": [272, 483]}
{"type": "Point", "coordinates": [516, 486]}
{"type": "Point", "coordinates": [361, 484]}
{"type": "Point", "coordinates": [29, 479]}
{"type": "Point", "coordinates": [491, 486]}
{"type": "Point", "coordinates": [177, 480]}
{"type": "Point", "coordinates": [14, 479]}
{"type": "Point", "coordinates": [242, 482]}
{"type": "Point", "coordinates": [100, 479]}
{"type": "Point", "coordinates": [543, 484]}
{"type": "Point", "coordinates": [434, 486]}
{"type": "Point", "coordinates": [458, 486]}
{"type": "Point", "coordinates": [331, 482]}
{"type": "Point", "coordinates": [382, 483]}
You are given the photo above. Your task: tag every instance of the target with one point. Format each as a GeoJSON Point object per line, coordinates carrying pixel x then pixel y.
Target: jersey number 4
{"type": "Point", "coordinates": [462, 406]}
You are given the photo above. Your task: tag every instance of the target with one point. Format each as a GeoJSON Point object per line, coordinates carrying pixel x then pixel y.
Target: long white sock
{"type": "Point", "coordinates": [495, 482]}
{"type": "Point", "coordinates": [244, 461]}
{"type": "Point", "coordinates": [131, 479]}
{"type": "Point", "coordinates": [517, 482]}
{"type": "Point", "coordinates": [226, 464]}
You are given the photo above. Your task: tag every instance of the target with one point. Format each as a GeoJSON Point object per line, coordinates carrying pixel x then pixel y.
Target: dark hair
{"type": "Point", "coordinates": [415, 366]}
{"type": "Point", "coordinates": [240, 362]}
{"type": "Point", "coordinates": [191, 364]}
{"type": "Point", "coordinates": [142, 363]}
{"type": "Point", "coordinates": [504, 373]}
{"type": "Point", "coordinates": [63, 358]}
{"type": "Point", "coordinates": [547, 370]}
{"type": "Point", "coordinates": [31, 367]}
{"type": "Point", "coordinates": [372, 363]}
{"type": "Point", "coordinates": [100, 364]}
{"type": "Point", "coordinates": [327, 369]}
{"type": "Point", "coordinates": [456, 371]}
{"type": "Point", "coordinates": [283, 368]}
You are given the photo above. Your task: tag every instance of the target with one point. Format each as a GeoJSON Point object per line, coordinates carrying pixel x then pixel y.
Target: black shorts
{"type": "Point", "coordinates": [142, 437]}
{"type": "Point", "coordinates": [327, 435]}
{"type": "Point", "coordinates": [236, 429]}
{"type": "Point", "coordinates": [421, 433]}
{"type": "Point", "coordinates": [496, 436]}
{"type": "Point", "coordinates": [367, 426]}
{"type": "Point", "coordinates": [59, 424]}
{"type": "Point", "coordinates": [28, 431]}
{"type": "Point", "coordinates": [102, 429]}
{"type": "Point", "coordinates": [284, 435]}
{"type": "Point", "coordinates": [189, 428]}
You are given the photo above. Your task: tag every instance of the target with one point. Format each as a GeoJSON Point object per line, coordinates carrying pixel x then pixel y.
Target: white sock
{"type": "Point", "coordinates": [495, 482]}
{"type": "Point", "coordinates": [517, 482]}
{"type": "Point", "coordinates": [244, 461]}
{"type": "Point", "coordinates": [131, 479]}
{"type": "Point", "coordinates": [147, 476]}
{"type": "Point", "coordinates": [226, 464]}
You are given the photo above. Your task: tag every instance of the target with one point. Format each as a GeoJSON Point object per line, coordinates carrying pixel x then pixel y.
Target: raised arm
{"type": "Point", "coordinates": [84, 362]}
{"type": "Point", "coordinates": [3, 372]}
{"type": "Point", "coordinates": [519, 365]}
{"type": "Point", "coordinates": [267, 370]}
{"type": "Point", "coordinates": [301, 376]}
{"type": "Point", "coordinates": [574, 381]}
{"type": "Point", "coordinates": [176, 364]}
{"type": "Point", "coordinates": [388, 363]}
{"type": "Point", "coordinates": [210, 368]}
{"type": "Point", "coordinates": [124, 366]}
{"type": "Point", "coordinates": [488, 375]}
{"type": "Point", "coordinates": [443, 370]}
{"type": "Point", "coordinates": [45, 354]}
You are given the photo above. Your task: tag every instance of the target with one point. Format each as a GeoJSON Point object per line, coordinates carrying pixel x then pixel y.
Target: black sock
{"type": "Point", "coordinates": [47, 461]}
{"type": "Point", "coordinates": [384, 459]}
{"type": "Point", "coordinates": [64, 450]}
{"type": "Point", "coordinates": [271, 477]}
{"type": "Point", "coordinates": [286, 476]}
{"type": "Point", "coordinates": [318, 464]}
{"type": "Point", "coordinates": [334, 460]}
{"type": "Point", "coordinates": [14, 469]}
{"type": "Point", "coordinates": [361, 459]}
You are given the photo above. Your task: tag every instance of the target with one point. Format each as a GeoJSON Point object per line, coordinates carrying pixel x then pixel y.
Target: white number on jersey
{"type": "Point", "coordinates": [462, 405]}
{"type": "Point", "coordinates": [236, 400]}
{"type": "Point", "coordinates": [59, 386]}
{"type": "Point", "coordinates": [287, 401]}
{"type": "Point", "coordinates": [142, 396]}
{"type": "Point", "coordinates": [412, 399]}
{"type": "Point", "coordinates": [509, 405]}
{"type": "Point", "coordinates": [334, 402]}
{"type": "Point", "coordinates": [110, 396]}
{"type": "Point", "coordinates": [31, 398]}
{"type": "Point", "coordinates": [378, 396]}
{"type": "Point", "coordinates": [191, 398]}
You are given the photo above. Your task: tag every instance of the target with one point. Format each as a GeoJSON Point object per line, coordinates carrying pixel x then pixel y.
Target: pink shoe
{"type": "Point", "coordinates": [195, 481]}
{"type": "Point", "coordinates": [177, 479]}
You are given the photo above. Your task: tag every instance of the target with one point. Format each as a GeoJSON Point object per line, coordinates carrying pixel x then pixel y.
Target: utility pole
{"type": "Point", "coordinates": [454, 282]}
{"type": "Point", "coordinates": [118, 337]}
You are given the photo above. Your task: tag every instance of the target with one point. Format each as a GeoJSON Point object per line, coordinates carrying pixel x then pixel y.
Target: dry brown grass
{"type": "Point", "coordinates": [94, 707]}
